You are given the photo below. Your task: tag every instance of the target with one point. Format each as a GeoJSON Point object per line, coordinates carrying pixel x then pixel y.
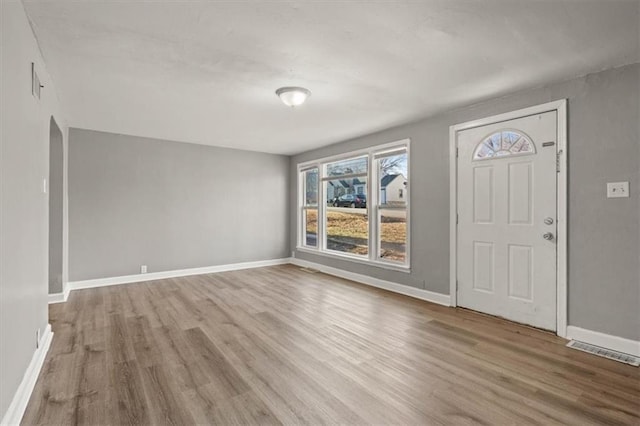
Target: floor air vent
{"type": "Point", "coordinates": [606, 353]}
{"type": "Point", "coordinates": [309, 270]}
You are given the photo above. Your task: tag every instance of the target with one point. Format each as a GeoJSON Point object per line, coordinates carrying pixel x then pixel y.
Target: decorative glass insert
{"type": "Point", "coordinates": [504, 143]}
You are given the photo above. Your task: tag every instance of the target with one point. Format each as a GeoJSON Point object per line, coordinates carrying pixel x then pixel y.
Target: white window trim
{"type": "Point", "coordinates": [355, 259]}
{"type": "Point", "coordinates": [373, 210]}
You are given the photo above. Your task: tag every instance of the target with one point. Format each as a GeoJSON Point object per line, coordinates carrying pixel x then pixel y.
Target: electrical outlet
{"type": "Point", "coordinates": [293, 253]}
{"type": "Point", "coordinates": [37, 338]}
{"type": "Point", "coordinates": [617, 189]}
{"type": "Point", "coordinates": [143, 269]}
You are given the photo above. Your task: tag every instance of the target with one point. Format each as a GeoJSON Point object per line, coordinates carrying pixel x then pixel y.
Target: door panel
{"type": "Point", "coordinates": [483, 266]}
{"type": "Point", "coordinates": [520, 193]}
{"type": "Point", "coordinates": [520, 271]}
{"type": "Point", "coordinates": [483, 194]}
{"type": "Point", "coordinates": [506, 189]}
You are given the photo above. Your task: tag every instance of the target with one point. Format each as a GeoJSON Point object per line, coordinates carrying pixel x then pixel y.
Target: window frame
{"type": "Point", "coordinates": [373, 206]}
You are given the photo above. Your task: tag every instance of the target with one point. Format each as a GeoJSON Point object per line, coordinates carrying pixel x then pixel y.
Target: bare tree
{"type": "Point", "coordinates": [392, 165]}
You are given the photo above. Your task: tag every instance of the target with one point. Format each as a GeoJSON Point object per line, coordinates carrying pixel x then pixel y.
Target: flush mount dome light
{"type": "Point", "coordinates": [293, 96]}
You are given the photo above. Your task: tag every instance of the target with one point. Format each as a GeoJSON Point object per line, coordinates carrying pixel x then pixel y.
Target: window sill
{"type": "Point", "coordinates": [377, 264]}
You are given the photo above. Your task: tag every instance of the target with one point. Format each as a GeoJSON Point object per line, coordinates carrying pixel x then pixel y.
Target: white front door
{"type": "Point", "coordinates": [507, 219]}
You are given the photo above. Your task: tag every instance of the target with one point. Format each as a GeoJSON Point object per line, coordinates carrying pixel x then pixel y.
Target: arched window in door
{"type": "Point", "coordinates": [504, 143]}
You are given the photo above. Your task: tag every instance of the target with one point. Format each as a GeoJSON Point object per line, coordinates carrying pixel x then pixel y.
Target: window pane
{"type": "Point", "coordinates": [347, 192]}
{"type": "Point", "coordinates": [348, 167]}
{"type": "Point", "coordinates": [311, 187]}
{"type": "Point", "coordinates": [348, 230]}
{"type": "Point", "coordinates": [393, 174]}
{"type": "Point", "coordinates": [347, 227]}
{"type": "Point", "coordinates": [393, 235]}
{"type": "Point", "coordinates": [310, 221]}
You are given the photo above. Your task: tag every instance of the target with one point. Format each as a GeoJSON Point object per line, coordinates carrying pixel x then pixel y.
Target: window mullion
{"type": "Point", "coordinates": [392, 153]}
{"type": "Point", "coordinates": [301, 224]}
{"type": "Point", "coordinates": [345, 177]}
{"type": "Point", "coordinates": [372, 210]}
{"type": "Point", "coordinates": [320, 212]}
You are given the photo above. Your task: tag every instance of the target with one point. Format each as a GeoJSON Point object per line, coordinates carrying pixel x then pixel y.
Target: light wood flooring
{"type": "Point", "coordinates": [279, 345]}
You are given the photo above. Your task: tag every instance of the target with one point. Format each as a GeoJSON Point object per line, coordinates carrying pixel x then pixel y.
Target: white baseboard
{"type": "Point", "coordinates": [18, 405]}
{"type": "Point", "coordinates": [620, 344]}
{"type": "Point", "coordinates": [418, 293]}
{"type": "Point", "coordinates": [430, 296]}
{"type": "Point", "coordinates": [60, 297]}
{"type": "Point", "coordinates": [127, 279]}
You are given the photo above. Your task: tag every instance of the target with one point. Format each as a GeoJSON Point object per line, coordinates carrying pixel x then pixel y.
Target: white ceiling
{"type": "Point", "coordinates": [206, 72]}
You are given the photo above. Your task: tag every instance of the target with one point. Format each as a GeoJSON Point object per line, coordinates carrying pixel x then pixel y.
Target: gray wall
{"type": "Point", "coordinates": [171, 205]}
{"type": "Point", "coordinates": [604, 272]}
{"type": "Point", "coordinates": [56, 207]}
{"type": "Point", "coordinates": [24, 164]}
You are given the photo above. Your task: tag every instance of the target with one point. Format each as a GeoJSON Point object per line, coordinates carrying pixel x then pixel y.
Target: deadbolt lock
{"type": "Point", "coordinates": [548, 221]}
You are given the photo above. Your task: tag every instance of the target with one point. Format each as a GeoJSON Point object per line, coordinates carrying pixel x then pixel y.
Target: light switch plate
{"type": "Point", "coordinates": [617, 189]}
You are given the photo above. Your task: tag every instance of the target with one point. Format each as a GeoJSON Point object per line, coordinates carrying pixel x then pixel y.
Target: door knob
{"type": "Point", "coordinates": [548, 221]}
{"type": "Point", "coordinates": [547, 236]}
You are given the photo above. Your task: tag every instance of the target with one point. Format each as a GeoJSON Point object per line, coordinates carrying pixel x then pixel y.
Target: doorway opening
{"type": "Point", "coordinates": [56, 206]}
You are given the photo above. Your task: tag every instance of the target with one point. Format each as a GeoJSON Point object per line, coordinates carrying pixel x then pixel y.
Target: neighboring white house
{"type": "Point", "coordinates": [393, 189]}
{"type": "Point", "coordinates": [340, 187]}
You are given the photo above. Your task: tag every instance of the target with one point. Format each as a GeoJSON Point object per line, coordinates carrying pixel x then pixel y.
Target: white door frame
{"type": "Point", "coordinates": [560, 106]}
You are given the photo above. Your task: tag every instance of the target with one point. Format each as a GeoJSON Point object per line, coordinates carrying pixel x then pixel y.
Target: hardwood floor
{"type": "Point", "coordinates": [280, 345]}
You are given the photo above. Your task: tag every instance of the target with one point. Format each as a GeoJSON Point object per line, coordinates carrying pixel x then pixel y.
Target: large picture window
{"type": "Point", "coordinates": [357, 205]}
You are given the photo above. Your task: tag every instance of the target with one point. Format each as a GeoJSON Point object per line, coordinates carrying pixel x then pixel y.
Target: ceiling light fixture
{"type": "Point", "coordinates": [293, 96]}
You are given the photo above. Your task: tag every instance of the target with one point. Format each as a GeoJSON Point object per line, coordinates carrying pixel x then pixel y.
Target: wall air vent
{"type": "Point", "coordinates": [606, 353]}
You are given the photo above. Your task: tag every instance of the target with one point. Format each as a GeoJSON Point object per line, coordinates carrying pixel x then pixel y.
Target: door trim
{"type": "Point", "coordinates": [560, 106]}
